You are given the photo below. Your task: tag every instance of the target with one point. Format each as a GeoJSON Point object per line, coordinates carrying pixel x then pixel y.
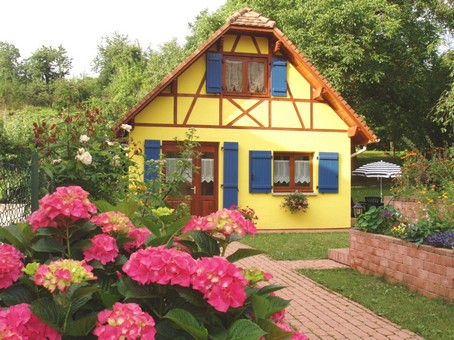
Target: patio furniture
{"type": "Point", "coordinates": [372, 201]}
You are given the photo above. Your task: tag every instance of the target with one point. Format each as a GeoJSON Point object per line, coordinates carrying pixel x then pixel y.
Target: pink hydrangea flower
{"type": "Point", "coordinates": [65, 206]}
{"type": "Point", "coordinates": [221, 282]}
{"type": "Point", "coordinates": [18, 322]}
{"type": "Point", "coordinates": [125, 321]}
{"type": "Point", "coordinates": [10, 265]}
{"type": "Point", "coordinates": [103, 248]}
{"type": "Point", "coordinates": [222, 223]}
{"type": "Point", "coordinates": [113, 222]}
{"type": "Point", "coordinates": [161, 265]}
{"type": "Point", "coordinates": [62, 273]}
{"type": "Point", "coordinates": [139, 235]}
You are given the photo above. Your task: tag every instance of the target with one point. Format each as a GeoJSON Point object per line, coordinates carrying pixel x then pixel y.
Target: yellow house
{"type": "Point", "coordinates": [268, 124]}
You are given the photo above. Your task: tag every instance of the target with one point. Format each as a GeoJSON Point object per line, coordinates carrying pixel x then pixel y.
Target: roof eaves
{"type": "Point", "coordinates": [369, 134]}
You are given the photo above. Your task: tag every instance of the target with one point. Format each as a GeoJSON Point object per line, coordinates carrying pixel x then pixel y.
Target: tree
{"type": "Point", "coordinates": [48, 64]}
{"type": "Point", "coordinates": [9, 74]}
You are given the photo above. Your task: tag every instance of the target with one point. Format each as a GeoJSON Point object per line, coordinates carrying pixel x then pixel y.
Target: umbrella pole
{"type": "Point", "coordinates": [381, 189]}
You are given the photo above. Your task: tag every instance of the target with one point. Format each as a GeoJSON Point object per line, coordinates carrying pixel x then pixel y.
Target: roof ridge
{"type": "Point", "coordinates": [247, 17]}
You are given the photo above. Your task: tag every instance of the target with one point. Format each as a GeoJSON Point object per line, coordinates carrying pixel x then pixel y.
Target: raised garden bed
{"type": "Point", "coordinates": [423, 268]}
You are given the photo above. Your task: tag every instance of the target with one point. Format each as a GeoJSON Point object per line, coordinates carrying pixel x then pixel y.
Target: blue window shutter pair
{"type": "Point", "coordinates": [152, 151]}
{"type": "Point", "coordinates": [260, 171]}
{"type": "Point", "coordinates": [328, 172]}
{"type": "Point", "coordinates": [230, 187]}
{"type": "Point", "coordinates": [214, 72]}
{"type": "Point", "coordinates": [279, 77]}
{"type": "Point", "coordinates": [214, 75]}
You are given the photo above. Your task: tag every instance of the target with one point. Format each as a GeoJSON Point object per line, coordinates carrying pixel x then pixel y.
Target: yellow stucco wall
{"type": "Point", "coordinates": [326, 210]}
{"type": "Point", "coordinates": [273, 126]}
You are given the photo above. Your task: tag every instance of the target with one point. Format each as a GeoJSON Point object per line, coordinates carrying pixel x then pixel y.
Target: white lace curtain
{"type": "Point", "coordinates": [207, 169]}
{"type": "Point", "coordinates": [256, 75]}
{"type": "Point", "coordinates": [234, 75]}
{"type": "Point", "coordinates": [282, 171]}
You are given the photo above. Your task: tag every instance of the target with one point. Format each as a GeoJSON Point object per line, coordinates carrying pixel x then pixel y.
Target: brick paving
{"type": "Point", "coordinates": [318, 312]}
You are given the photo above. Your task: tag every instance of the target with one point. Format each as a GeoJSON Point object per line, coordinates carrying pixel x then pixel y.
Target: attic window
{"type": "Point", "coordinates": [244, 75]}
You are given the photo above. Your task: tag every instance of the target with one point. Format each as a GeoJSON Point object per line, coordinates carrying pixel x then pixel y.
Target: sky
{"type": "Point", "coordinates": [80, 26]}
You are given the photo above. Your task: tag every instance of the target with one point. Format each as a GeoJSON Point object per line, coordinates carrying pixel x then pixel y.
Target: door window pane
{"type": "Point", "coordinates": [174, 166]}
{"type": "Point", "coordinates": [207, 174]}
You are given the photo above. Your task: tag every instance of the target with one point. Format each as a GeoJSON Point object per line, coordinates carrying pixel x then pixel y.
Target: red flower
{"type": "Point", "coordinates": [104, 249]}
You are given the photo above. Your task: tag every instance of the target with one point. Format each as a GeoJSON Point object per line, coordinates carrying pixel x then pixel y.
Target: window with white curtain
{"type": "Point", "coordinates": [292, 171]}
{"type": "Point", "coordinates": [245, 74]}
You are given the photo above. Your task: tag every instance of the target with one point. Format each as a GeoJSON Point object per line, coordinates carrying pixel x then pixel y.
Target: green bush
{"type": "Point", "coordinates": [378, 220]}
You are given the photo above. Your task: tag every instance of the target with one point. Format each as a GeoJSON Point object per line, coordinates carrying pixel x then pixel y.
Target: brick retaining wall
{"type": "Point", "coordinates": [425, 269]}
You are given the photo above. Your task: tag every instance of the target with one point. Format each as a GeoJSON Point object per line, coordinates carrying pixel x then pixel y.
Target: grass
{"type": "Point", "coordinates": [298, 246]}
{"type": "Point", "coordinates": [430, 318]}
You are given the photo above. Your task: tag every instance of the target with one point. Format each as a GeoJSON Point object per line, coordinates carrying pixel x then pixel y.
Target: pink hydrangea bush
{"type": "Point", "coordinates": [18, 322]}
{"type": "Point", "coordinates": [62, 208]}
{"type": "Point", "coordinates": [125, 321]}
{"type": "Point", "coordinates": [171, 279]}
{"type": "Point", "coordinates": [10, 265]}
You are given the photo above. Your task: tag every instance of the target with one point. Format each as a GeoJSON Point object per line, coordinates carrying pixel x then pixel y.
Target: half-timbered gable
{"type": "Point", "coordinates": [267, 121]}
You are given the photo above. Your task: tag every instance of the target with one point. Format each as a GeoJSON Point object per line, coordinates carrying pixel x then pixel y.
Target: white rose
{"type": "Point", "coordinates": [84, 158]}
{"type": "Point", "coordinates": [55, 161]}
{"type": "Point", "coordinates": [116, 160]}
{"type": "Point", "coordinates": [80, 151]}
{"type": "Point", "coordinates": [84, 138]}
{"type": "Point", "coordinates": [126, 127]}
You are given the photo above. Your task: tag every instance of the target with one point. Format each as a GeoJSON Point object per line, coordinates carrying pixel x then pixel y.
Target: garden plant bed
{"type": "Point", "coordinates": [423, 268]}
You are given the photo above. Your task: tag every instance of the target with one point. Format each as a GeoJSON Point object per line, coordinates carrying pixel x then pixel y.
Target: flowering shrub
{"type": "Point", "coordinates": [79, 148]}
{"type": "Point", "coordinates": [248, 213]}
{"type": "Point", "coordinates": [441, 240]}
{"type": "Point", "coordinates": [295, 201]}
{"type": "Point", "coordinates": [428, 176]}
{"type": "Point", "coordinates": [90, 272]}
{"type": "Point", "coordinates": [378, 220]}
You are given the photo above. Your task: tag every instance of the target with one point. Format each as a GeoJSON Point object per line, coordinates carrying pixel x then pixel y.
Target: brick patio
{"type": "Point", "coordinates": [317, 312]}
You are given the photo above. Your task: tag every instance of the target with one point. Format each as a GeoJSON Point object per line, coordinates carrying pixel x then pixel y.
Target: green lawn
{"type": "Point", "coordinates": [298, 246]}
{"type": "Point", "coordinates": [430, 318]}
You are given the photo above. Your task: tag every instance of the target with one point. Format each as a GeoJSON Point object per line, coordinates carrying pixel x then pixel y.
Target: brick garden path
{"type": "Point", "coordinates": [317, 312]}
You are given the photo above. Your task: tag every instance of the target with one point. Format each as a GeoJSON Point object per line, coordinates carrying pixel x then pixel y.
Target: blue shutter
{"type": "Point", "coordinates": [230, 174]}
{"type": "Point", "coordinates": [279, 77]}
{"type": "Point", "coordinates": [152, 151]}
{"type": "Point", "coordinates": [328, 172]}
{"type": "Point", "coordinates": [214, 72]}
{"type": "Point", "coordinates": [260, 171]}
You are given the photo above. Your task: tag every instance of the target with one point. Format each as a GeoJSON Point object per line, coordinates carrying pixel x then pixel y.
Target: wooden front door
{"type": "Point", "coordinates": [201, 186]}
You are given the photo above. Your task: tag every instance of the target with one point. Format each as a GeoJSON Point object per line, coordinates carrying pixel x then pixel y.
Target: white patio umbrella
{"type": "Point", "coordinates": [379, 170]}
